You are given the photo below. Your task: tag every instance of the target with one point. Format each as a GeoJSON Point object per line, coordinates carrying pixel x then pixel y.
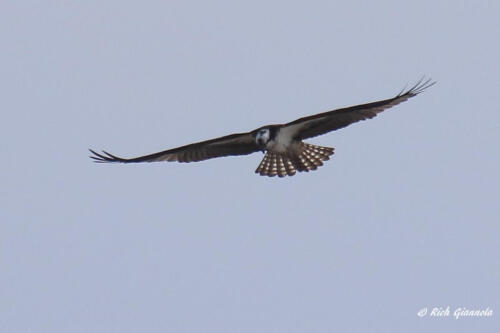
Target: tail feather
{"type": "Point", "coordinates": [289, 168]}
{"type": "Point", "coordinates": [273, 167]}
{"type": "Point", "coordinates": [308, 157]}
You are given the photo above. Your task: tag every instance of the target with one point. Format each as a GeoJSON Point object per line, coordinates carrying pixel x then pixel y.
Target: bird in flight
{"type": "Point", "coordinates": [286, 153]}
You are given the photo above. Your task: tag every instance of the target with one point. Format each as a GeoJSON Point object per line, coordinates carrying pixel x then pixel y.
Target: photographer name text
{"type": "Point", "coordinates": [443, 312]}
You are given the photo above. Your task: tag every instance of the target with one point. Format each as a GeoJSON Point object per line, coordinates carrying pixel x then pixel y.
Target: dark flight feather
{"type": "Point", "coordinates": [234, 144]}
{"type": "Point", "coordinates": [325, 122]}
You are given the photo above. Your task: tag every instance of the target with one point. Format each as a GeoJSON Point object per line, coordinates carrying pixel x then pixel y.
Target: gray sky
{"type": "Point", "coordinates": [405, 216]}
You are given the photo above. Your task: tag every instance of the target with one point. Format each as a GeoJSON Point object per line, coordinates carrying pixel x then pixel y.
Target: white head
{"type": "Point", "coordinates": [263, 136]}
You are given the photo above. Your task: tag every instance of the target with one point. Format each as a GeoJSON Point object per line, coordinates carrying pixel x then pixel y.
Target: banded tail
{"type": "Point", "coordinates": [309, 157]}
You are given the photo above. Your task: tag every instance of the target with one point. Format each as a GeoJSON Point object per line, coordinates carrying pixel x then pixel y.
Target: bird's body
{"type": "Point", "coordinates": [286, 153]}
{"type": "Point", "coordinates": [283, 141]}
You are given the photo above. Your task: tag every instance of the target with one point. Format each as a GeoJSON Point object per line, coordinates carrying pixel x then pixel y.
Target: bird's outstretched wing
{"type": "Point", "coordinates": [325, 122]}
{"type": "Point", "coordinates": [234, 144]}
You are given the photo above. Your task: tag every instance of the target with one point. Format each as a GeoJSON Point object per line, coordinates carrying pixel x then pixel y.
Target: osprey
{"type": "Point", "coordinates": [286, 153]}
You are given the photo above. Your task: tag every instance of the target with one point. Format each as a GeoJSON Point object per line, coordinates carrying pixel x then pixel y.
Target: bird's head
{"type": "Point", "coordinates": [263, 136]}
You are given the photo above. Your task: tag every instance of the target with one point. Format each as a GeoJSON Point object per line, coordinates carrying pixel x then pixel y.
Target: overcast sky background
{"type": "Point", "coordinates": [405, 216]}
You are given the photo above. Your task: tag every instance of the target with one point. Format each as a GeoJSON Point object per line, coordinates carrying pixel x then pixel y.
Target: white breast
{"type": "Point", "coordinates": [281, 142]}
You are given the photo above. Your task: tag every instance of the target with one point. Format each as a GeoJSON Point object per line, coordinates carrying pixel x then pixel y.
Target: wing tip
{"type": "Point", "coordinates": [419, 87]}
{"type": "Point", "coordinates": [105, 157]}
